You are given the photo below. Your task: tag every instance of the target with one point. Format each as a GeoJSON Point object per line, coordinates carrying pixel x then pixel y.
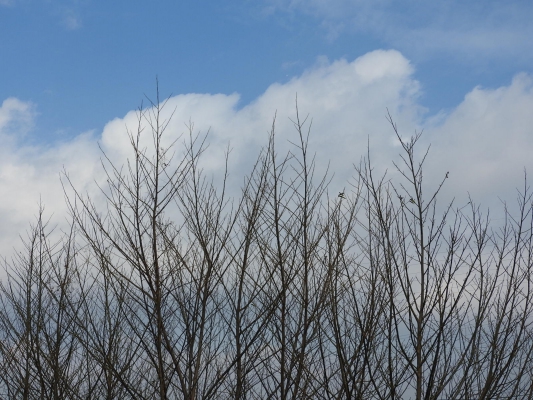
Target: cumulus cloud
{"type": "Point", "coordinates": [30, 174]}
{"type": "Point", "coordinates": [487, 140]}
{"type": "Point", "coordinates": [484, 142]}
{"type": "Point", "coordinates": [346, 101]}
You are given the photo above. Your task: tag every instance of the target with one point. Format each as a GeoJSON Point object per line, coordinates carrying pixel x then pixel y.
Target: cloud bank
{"type": "Point", "coordinates": [484, 142]}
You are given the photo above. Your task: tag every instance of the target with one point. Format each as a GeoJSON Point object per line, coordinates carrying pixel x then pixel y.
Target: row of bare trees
{"type": "Point", "coordinates": [177, 290]}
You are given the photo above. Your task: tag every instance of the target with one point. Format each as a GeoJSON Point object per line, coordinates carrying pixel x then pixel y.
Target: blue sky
{"type": "Point", "coordinates": [73, 71]}
{"type": "Point", "coordinates": [83, 62]}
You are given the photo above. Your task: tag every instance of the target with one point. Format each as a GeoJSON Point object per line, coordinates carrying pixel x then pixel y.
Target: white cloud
{"type": "Point", "coordinates": [16, 118]}
{"type": "Point", "coordinates": [484, 142]}
{"type": "Point", "coordinates": [346, 100]}
{"type": "Point", "coordinates": [487, 140]}
{"type": "Point", "coordinates": [30, 173]}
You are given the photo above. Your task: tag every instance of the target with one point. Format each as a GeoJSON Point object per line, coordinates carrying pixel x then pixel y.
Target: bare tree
{"type": "Point", "coordinates": [178, 289]}
{"type": "Point", "coordinates": [41, 355]}
{"type": "Point", "coordinates": [459, 294]}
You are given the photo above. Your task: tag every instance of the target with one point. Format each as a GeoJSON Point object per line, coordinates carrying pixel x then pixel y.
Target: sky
{"type": "Point", "coordinates": [73, 72]}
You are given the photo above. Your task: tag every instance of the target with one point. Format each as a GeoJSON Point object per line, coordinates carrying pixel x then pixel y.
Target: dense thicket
{"type": "Point", "coordinates": [176, 291]}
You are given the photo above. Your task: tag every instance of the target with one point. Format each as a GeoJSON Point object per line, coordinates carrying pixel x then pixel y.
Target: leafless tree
{"type": "Point", "coordinates": [178, 289]}
{"type": "Point", "coordinates": [41, 355]}
{"type": "Point", "coordinates": [459, 299]}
